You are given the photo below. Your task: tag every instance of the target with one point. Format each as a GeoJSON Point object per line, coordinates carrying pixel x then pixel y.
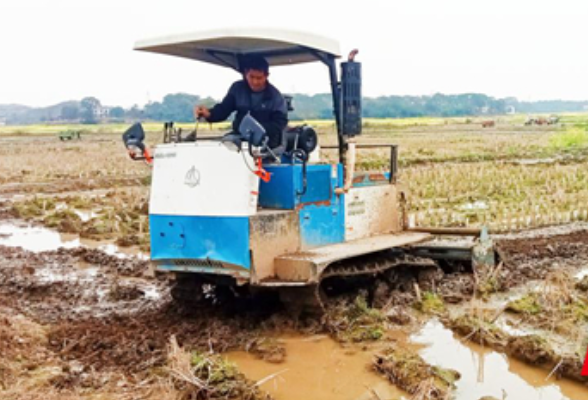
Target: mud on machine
{"type": "Point", "coordinates": [239, 214]}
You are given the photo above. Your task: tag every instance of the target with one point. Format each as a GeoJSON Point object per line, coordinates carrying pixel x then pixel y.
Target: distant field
{"type": "Point", "coordinates": [456, 172]}
{"type": "Point", "coordinates": [47, 129]}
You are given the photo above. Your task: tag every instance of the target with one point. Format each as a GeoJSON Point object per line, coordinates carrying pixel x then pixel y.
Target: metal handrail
{"type": "Point", "coordinates": [393, 155]}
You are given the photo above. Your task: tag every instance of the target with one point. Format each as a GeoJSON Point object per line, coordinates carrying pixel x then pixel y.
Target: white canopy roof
{"type": "Point", "coordinates": [224, 47]}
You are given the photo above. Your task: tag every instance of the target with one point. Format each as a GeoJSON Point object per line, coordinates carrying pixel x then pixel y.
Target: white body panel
{"type": "Point", "coordinates": [370, 211]}
{"type": "Point", "coordinates": [203, 179]}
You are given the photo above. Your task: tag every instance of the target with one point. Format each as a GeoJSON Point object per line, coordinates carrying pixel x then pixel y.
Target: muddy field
{"type": "Point", "coordinates": [82, 315]}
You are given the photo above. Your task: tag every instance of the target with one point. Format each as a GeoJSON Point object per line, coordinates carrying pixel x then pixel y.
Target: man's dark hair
{"type": "Point", "coordinates": [257, 63]}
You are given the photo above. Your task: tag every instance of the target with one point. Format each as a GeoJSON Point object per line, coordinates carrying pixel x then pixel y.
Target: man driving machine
{"type": "Point", "coordinates": [253, 94]}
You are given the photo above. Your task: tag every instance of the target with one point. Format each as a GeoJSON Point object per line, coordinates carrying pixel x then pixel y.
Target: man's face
{"type": "Point", "coordinates": [257, 80]}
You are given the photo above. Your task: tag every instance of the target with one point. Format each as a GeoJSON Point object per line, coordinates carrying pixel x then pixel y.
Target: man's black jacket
{"type": "Point", "coordinates": [270, 111]}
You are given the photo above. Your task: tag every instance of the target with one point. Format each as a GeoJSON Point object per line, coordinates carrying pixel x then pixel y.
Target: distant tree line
{"type": "Point", "coordinates": [438, 105]}
{"type": "Point", "coordinates": [178, 107]}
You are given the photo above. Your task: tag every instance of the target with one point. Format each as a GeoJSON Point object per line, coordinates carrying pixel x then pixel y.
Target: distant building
{"type": "Point", "coordinates": [101, 112]}
{"type": "Point", "coordinates": [2, 121]}
{"type": "Point", "coordinates": [511, 110]}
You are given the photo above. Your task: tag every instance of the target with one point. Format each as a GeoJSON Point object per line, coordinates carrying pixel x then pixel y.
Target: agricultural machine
{"type": "Point", "coordinates": [238, 214]}
{"type": "Point", "coordinates": [70, 135]}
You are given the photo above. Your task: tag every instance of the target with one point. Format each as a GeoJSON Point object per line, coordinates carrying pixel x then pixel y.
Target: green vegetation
{"type": "Point", "coordinates": [431, 303]}
{"type": "Point", "coordinates": [532, 349]}
{"type": "Point", "coordinates": [478, 329]}
{"type": "Point", "coordinates": [267, 349]}
{"type": "Point", "coordinates": [66, 221]}
{"type": "Point", "coordinates": [504, 196]}
{"type": "Point", "coordinates": [488, 283]}
{"type": "Point", "coordinates": [88, 109]}
{"type": "Point", "coordinates": [528, 304]}
{"type": "Point", "coordinates": [578, 310]}
{"type": "Point", "coordinates": [175, 107]}
{"type": "Point", "coordinates": [35, 207]}
{"type": "Point", "coordinates": [572, 138]}
{"type": "Point", "coordinates": [556, 304]}
{"type": "Point", "coordinates": [208, 376]}
{"type": "Point", "coordinates": [406, 369]}
{"type": "Point", "coordinates": [92, 129]}
{"type": "Point", "coordinates": [355, 322]}
{"type": "Point", "coordinates": [178, 107]}
{"type": "Point", "coordinates": [120, 215]}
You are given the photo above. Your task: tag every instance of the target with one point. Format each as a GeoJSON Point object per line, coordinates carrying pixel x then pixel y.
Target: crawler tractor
{"type": "Point", "coordinates": [238, 214]}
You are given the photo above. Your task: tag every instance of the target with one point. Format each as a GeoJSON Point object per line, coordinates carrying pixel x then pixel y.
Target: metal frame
{"type": "Point", "coordinates": [393, 155]}
{"type": "Point", "coordinates": [329, 61]}
{"type": "Point", "coordinates": [215, 55]}
{"type": "Point", "coordinates": [238, 57]}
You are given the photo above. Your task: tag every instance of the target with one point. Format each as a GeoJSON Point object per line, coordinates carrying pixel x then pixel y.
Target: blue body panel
{"type": "Point", "coordinates": [224, 239]}
{"type": "Point", "coordinates": [322, 224]}
{"type": "Point", "coordinates": [284, 190]}
{"type": "Point", "coordinates": [280, 191]}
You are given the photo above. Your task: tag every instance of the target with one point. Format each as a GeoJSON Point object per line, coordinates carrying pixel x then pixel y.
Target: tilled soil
{"type": "Point", "coordinates": [135, 344]}
{"type": "Point", "coordinates": [10, 190]}
{"type": "Point", "coordinates": [533, 257]}
{"type": "Point", "coordinates": [106, 320]}
{"type": "Point", "coordinates": [69, 284]}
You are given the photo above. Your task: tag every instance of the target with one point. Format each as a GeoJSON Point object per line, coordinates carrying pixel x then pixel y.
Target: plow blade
{"type": "Point", "coordinates": [474, 244]}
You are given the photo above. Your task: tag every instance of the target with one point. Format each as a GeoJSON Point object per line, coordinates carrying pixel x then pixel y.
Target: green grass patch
{"type": "Point", "coordinates": [578, 310]}
{"type": "Point", "coordinates": [64, 221]}
{"type": "Point", "coordinates": [572, 138]}
{"type": "Point", "coordinates": [355, 322]}
{"type": "Point", "coordinates": [528, 304]}
{"type": "Point", "coordinates": [430, 303]}
{"type": "Point", "coordinates": [33, 208]}
{"type": "Point", "coordinates": [406, 369]}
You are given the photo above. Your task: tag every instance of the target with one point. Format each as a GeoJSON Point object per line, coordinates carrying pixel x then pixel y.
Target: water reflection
{"type": "Point", "coordinates": [485, 372]}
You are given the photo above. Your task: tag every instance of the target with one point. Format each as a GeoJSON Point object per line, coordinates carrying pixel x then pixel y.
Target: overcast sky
{"type": "Point", "coordinates": [54, 50]}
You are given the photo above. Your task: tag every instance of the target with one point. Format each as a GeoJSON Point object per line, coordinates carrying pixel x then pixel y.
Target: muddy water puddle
{"type": "Point", "coordinates": [38, 239]}
{"type": "Point", "coordinates": [485, 372]}
{"type": "Point", "coordinates": [33, 238]}
{"type": "Point", "coordinates": [85, 215]}
{"type": "Point", "coordinates": [319, 368]}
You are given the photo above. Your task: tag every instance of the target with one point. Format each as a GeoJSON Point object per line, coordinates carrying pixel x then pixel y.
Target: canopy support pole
{"type": "Point", "coordinates": [329, 61]}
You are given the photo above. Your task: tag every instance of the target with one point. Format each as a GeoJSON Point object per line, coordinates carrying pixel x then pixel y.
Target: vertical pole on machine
{"type": "Point", "coordinates": [336, 91]}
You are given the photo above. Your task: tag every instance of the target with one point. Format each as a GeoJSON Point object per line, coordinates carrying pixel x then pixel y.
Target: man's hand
{"type": "Point", "coordinates": [201, 112]}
